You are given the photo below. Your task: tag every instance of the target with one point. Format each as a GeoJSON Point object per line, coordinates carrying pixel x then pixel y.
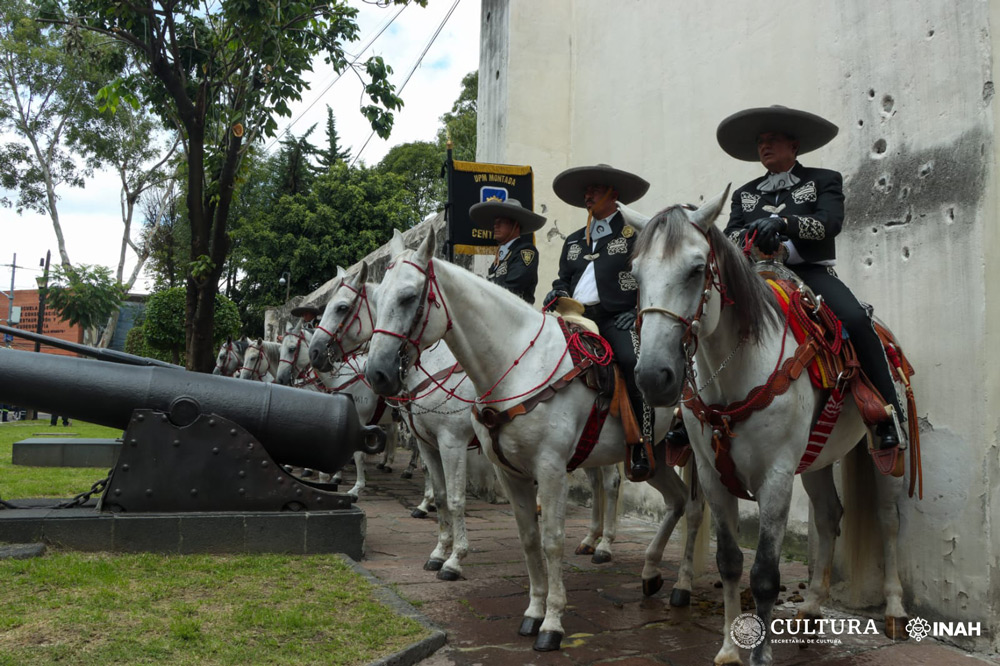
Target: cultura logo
{"type": "Point", "coordinates": [918, 628]}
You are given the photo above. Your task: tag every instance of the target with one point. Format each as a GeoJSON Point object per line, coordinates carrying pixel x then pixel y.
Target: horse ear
{"type": "Point", "coordinates": [633, 218]}
{"type": "Point", "coordinates": [341, 273]}
{"type": "Point", "coordinates": [426, 250]}
{"type": "Point", "coordinates": [362, 273]}
{"type": "Point", "coordinates": [396, 244]}
{"type": "Point", "coordinates": [705, 216]}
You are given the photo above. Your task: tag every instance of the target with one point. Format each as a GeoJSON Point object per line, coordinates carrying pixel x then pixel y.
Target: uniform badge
{"type": "Point", "coordinates": [628, 231]}
{"type": "Point", "coordinates": [527, 256]}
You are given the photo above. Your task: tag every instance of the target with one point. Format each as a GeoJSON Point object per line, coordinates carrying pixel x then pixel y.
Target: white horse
{"type": "Point", "coordinates": [230, 357]}
{"type": "Point", "coordinates": [295, 369]}
{"type": "Point", "coordinates": [512, 352]}
{"type": "Point", "coordinates": [260, 361]}
{"type": "Point", "coordinates": [436, 409]}
{"type": "Point", "coordinates": [683, 263]}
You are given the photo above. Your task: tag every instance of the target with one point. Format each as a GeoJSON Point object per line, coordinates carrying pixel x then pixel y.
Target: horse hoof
{"type": "Point", "coordinates": [431, 508]}
{"type": "Point", "coordinates": [651, 586]}
{"type": "Point", "coordinates": [433, 565]}
{"type": "Point", "coordinates": [547, 641]}
{"type": "Point", "coordinates": [418, 513]}
{"type": "Point", "coordinates": [585, 549]}
{"type": "Point", "coordinates": [354, 498]}
{"type": "Point", "coordinates": [895, 628]}
{"type": "Point", "coordinates": [530, 626]}
{"type": "Point", "coordinates": [448, 574]}
{"type": "Point", "coordinates": [680, 598]}
{"type": "Point", "coordinates": [407, 474]}
{"type": "Point", "coordinates": [601, 557]}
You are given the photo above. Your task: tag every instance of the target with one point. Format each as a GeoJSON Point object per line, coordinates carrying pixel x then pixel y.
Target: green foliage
{"type": "Point", "coordinates": [328, 156]}
{"type": "Point", "coordinates": [348, 213]}
{"type": "Point", "coordinates": [419, 165]}
{"type": "Point", "coordinates": [165, 317]}
{"type": "Point", "coordinates": [83, 295]}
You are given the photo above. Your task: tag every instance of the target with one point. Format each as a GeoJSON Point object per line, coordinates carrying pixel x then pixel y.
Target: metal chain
{"type": "Point", "coordinates": [81, 499]}
{"type": "Point", "coordinates": [720, 369]}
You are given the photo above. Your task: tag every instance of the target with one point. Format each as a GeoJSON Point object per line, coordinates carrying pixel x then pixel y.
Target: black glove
{"type": "Point", "coordinates": [768, 230]}
{"type": "Point", "coordinates": [549, 304]}
{"type": "Point", "coordinates": [624, 321]}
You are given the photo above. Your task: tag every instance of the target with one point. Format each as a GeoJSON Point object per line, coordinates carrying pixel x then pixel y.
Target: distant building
{"type": "Point", "coordinates": [53, 326]}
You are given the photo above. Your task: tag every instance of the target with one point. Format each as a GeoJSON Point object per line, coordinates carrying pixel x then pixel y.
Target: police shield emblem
{"type": "Point", "coordinates": [527, 256]}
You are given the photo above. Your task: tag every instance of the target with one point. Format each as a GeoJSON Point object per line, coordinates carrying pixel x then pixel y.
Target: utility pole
{"type": "Point", "coordinates": [10, 296]}
{"type": "Point", "coordinates": [43, 282]}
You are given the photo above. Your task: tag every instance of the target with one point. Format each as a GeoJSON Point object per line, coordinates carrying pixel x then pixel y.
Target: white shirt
{"type": "Point", "coordinates": [586, 288]}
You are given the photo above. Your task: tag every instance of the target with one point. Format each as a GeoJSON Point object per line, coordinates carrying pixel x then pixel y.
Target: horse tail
{"type": "Point", "coordinates": [862, 544]}
{"type": "Point", "coordinates": [701, 544]}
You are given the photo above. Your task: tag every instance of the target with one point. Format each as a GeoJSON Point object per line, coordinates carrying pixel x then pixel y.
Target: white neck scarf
{"type": "Point", "coordinates": [775, 182]}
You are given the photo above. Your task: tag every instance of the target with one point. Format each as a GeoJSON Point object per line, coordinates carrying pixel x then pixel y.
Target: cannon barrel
{"type": "Point", "coordinates": [296, 427]}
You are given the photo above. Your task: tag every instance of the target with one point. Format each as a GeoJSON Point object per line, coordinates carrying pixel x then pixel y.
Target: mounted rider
{"type": "Point", "coordinates": [802, 209]}
{"type": "Point", "coordinates": [309, 312]}
{"type": "Point", "coordinates": [594, 268]}
{"type": "Point", "coordinates": [515, 265]}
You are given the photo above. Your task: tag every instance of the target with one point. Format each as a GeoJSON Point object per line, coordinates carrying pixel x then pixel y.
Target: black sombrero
{"type": "Point", "coordinates": [738, 133]}
{"type": "Point", "coordinates": [483, 214]}
{"type": "Point", "coordinates": [300, 310]}
{"type": "Point", "coordinates": [571, 185]}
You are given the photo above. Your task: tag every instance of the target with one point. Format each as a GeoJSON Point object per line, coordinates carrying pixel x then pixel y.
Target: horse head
{"type": "Point", "coordinates": [346, 324]}
{"type": "Point", "coordinates": [676, 266]}
{"type": "Point", "coordinates": [293, 358]}
{"type": "Point", "coordinates": [410, 316]}
{"type": "Point", "coordinates": [255, 363]}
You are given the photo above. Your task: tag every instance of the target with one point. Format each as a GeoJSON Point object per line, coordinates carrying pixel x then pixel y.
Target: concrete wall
{"type": "Point", "coordinates": [643, 85]}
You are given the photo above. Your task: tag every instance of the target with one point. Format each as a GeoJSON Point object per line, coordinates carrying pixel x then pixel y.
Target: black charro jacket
{"type": "Point", "coordinates": [616, 287]}
{"type": "Point", "coordinates": [518, 272]}
{"type": "Point", "coordinates": [814, 209]}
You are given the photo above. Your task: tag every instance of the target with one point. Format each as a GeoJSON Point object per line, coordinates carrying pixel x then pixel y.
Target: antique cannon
{"type": "Point", "coordinates": [197, 442]}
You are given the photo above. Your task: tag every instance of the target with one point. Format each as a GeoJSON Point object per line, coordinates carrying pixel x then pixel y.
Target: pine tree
{"type": "Point", "coordinates": [333, 154]}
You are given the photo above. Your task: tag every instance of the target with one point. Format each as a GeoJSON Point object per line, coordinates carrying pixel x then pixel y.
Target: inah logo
{"type": "Point", "coordinates": [747, 630]}
{"type": "Point", "coordinates": [918, 628]}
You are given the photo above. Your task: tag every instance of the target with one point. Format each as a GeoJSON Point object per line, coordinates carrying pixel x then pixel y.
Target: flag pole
{"type": "Point", "coordinates": [449, 246]}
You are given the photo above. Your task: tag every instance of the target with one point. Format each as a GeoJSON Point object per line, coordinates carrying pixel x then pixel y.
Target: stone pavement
{"type": "Point", "coordinates": [607, 621]}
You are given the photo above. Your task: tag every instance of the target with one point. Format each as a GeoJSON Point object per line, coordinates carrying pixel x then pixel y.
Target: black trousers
{"type": "Point", "coordinates": [859, 327]}
{"type": "Point", "coordinates": [624, 351]}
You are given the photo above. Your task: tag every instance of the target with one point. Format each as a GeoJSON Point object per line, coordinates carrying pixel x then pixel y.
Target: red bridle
{"type": "Point", "coordinates": [353, 315]}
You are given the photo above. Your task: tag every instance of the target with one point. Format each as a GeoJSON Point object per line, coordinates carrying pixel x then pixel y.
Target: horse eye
{"type": "Point", "coordinates": [697, 271]}
{"type": "Point", "coordinates": [342, 308]}
{"type": "Point", "coordinates": [407, 299]}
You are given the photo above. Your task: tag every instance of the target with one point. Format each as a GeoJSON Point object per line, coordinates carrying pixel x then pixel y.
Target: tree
{"type": "Point", "coordinates": [419, 164]}
{"type": "Point", "coordinates": [164, 326]}
{"type": "Point", "coordinates": [83, 295]}
{"type": "Point", "coordinates": [43, 87]}
{"type": "Point", "coordinates": [350, 212]}
{"type": "Point", "coordinates": [332, 153]}
{"type": "Point", "coordinates": [220, 72]}
{"type": "Point", "coordinates": [460, 123]}
{"type": "Point", "coordinates": [295, 170]}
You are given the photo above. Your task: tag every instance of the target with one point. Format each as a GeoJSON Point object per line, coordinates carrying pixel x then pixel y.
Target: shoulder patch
{"type": "Point", "coordinates": [628, 231]}
{"type": "Point", "coordinates": [527, 256]}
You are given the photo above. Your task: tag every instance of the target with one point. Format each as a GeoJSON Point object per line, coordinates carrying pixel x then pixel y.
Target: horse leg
{"type": "Point", "coordinates": [553, 489]}
{"type": "Point", "coordinates": [359, 481]}
{"type": "Point", "coordinates": [889, 491]}
{"type": "Point", "coordinates": [827, 512]}
{"type": "Point", "coordinates": [588, 545]}
{"type": "Point", "coordinates": [774, 498]}
{"type": "Point", "coordinates": [453, 458]}
{"type": "Point", "coordinates": [694, 514]}
{"type": "Point", "coordinates": [729, 560]}
{"type": "Point", "coordinates": [674, 493]}
{"type": "Point", "coordinates": [414, 457]}
{"type": "Point", "coordinates": [520, 492]}
{"type": "Point", "coordinates": [389, 454]}
{"type": "Point", "coordinates": [436, 474]}
{"type": "Point", "coordinates": [610, 485]}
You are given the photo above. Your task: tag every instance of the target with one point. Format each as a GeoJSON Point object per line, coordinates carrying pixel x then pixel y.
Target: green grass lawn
{"type": "Point", "coordinates": [86, 608]}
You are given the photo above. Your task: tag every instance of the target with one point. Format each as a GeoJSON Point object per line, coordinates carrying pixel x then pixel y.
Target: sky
{"type": "Point", "coordinates": [91, 217]}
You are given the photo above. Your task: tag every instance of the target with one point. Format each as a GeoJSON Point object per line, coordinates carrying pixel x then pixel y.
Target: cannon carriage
{"type": "Point", "coordinates": [194, 445]}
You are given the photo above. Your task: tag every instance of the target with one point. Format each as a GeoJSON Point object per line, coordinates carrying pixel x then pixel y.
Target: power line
{"type": "Point", "coordinates": [361, 51]}
{"type": "Point", "coordinates": [412, 70]}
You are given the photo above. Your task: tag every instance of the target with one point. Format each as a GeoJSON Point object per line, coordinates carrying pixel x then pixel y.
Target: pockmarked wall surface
{"type": "Point", "coordinates": [642, 87]}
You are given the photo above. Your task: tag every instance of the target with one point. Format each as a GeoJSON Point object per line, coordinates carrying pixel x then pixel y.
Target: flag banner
{"type": "Point", "coordinates": [475, 182]}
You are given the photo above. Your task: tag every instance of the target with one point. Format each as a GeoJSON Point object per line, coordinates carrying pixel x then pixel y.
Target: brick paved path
{"type": "Point", "coordinates": [607, 621]}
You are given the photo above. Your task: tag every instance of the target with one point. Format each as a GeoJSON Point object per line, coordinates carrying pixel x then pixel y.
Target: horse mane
{"type": "Point", "coordinates": [241, 346]}
{"type": "Point", "coordinates": [755, 305]}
